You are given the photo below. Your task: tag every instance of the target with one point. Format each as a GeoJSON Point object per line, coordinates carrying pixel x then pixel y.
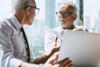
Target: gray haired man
{"type": "Point", "coordinates": [14, 50]}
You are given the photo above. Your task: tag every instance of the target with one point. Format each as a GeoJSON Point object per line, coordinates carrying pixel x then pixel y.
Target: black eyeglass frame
{"type": "Point", "coordinates": [34, 7]}
{"type": "Point", "coordinates": [64, 14]}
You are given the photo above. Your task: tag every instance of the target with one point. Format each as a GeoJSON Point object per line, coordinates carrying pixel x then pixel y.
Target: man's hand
{"type": "Point", "coordinates": [42, 59]}
{"type": "Point", "coordinates": [56, 47]}
{"type": "Point", "coordinates": [65, 63]}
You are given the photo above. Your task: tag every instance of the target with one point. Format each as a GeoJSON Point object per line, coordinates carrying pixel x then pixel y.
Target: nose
{"type": "Point", "coordinates": [61, 17]}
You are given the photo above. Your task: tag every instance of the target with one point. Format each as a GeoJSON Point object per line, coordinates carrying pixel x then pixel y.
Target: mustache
{"type": "Point", "coordinates": [62, 20]}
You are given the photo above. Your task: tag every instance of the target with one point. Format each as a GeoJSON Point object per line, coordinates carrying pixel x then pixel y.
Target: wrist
{"type": "Point", "coordinates": [24, 64]}
{"type": "Point", "coordinates": [49, 54]}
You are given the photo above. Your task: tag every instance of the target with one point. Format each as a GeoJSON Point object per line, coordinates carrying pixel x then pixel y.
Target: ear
{"type": "Point", "coordinates": [27, 10]}
{"type": "Point", "coordinates": [75, 16]}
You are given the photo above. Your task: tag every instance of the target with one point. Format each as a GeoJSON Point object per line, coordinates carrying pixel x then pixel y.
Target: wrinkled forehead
{"type": "Point", "coordinates": [67, 7]}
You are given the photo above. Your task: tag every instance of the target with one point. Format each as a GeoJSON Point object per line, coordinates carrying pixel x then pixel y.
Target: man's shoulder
{"type": "Point", "coordinates": [80, 28]}
{"type": "Point", "coordinates": [55, 31]}
{"type": "Point", "coordinates": [5, 23]}
{"type": "Point", "coordinates": [58, 29]}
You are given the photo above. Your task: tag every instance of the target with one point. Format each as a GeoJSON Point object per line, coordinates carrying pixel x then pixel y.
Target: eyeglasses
{"type": "Point", "coordinates": [37, 9]}
{"type": "Point", "coordinates": [65, 13]}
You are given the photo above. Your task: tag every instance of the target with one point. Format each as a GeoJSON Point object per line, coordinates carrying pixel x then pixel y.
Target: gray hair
{"type": "Point", "coordinates": [69, 4]}
{"type": "Point", "coordinates": [21, 4]}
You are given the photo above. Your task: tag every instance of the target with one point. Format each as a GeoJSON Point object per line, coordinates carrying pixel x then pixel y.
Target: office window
{"type": "Point", "coordinates": [92, 15]}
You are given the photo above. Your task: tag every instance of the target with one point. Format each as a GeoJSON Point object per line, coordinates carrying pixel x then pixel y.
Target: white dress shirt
{"type": "Point", "coordinates": [52, 34]}
{"type": "Point", "coordinates": [12, 45]}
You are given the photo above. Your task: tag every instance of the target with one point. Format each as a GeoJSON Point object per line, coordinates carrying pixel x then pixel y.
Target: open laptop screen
{"type": "Point", "coordinates": [82, 48]}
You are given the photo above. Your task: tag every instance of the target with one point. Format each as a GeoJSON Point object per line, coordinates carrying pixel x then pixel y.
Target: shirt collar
{"type": "Point", "coordinates": [16, 23]}
{"type": "Point", "coordinates": [67, 29]}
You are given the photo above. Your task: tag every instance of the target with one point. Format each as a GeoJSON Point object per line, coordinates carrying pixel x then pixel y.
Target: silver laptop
{"type": "Point", "coordinates": [82, 48]}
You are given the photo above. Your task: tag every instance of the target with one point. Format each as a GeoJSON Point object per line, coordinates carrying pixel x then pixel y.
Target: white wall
{"type": "Point", "coordinates": [5, 8]}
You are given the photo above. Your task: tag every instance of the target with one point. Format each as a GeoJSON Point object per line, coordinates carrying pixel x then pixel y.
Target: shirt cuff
{"type": "Point", "coordinates": [41, 65]}
{"type": "Point", "coordinates": [16, 62]}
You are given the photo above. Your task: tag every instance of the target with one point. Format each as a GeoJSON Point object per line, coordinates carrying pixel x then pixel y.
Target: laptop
{"type": "Point", "coordinates": [83, 48]}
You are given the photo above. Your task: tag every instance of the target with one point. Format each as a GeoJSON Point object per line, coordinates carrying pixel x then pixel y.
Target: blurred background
{"type": "Point", "coordinates": [46, 19]}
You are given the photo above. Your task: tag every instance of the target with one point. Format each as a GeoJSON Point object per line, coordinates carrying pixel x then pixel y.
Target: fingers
{"type": "Point", "coordinates": [66, 63]}
{"type": "Point", "coordinates": [56, 45]}
{"type": "Point", "coordinates": [56, 40]}
{"type": "Point", "coordinates": [53, 59]}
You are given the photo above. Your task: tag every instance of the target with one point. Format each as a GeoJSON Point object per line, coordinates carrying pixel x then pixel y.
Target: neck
{"type": "Point", "coordinates": [19, 17]}
{"type": "Point", "coordinates": [69, 27]}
